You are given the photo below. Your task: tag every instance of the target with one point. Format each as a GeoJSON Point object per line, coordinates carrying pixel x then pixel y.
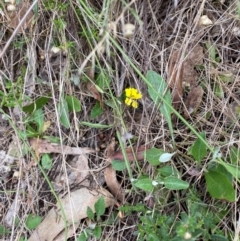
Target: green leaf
{"type": "Point", "coordinates": [97, 232]}
{"type": "Point", "coordinates": [64, 113]}
{"type": "Point", "coordinates": [168, 171]}
{"type": "Point", "coordinates": [118, 165]}
{"type": "Point", "coordinates": [218, 237]}
{"type": "Point", "coordinates": [199, 149]}
{"type": "Point", "coordinates": [3, 230]}
{"type": "Point", "coordinates": [152, 156]}
{"type": "Point", "coordinates": [234, 170]}
{"type": "Point", "coordinates": [226, 77]}
{"type": "Point", "coordinates": [96, 111]}
{"type": "Point", "coordinates": [103, 80]}
{"type": "Point", "coordinates": [82, 237]}
{"type": "Point", "coordinates": [32, 221]}
{"type": "Point", "coordinates": [46, 161]}
{"type": "Point", "coordinates": [234, 155]}
{"type": "Point", "coordinates": [212, 51]}
{"type": "Point", "coordinates": [174, 183]}
{"type": "Point", "coordinates": [73, 103]}
{"type": "Point", "coordinates": [218, 90]}
{"type": "Point", "coordinates": [219, 186]}
{"type": "Point", "coordinates": [158, 88]}
{"type": "Point", "coordinates": [144, 183]}
{"type": "Point", "coordinates": [99, 207]}
{"type": "Point", "coordinates": [37, 104]}
{"type": "Point", "coordinates": [96, 125]}
{"type": "Point", "coordinates": [38, 118]}
{"type": "Point", "coordinates": [90, 213]}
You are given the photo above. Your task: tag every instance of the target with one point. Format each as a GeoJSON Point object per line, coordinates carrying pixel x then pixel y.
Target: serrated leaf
{"type": "Point", "coordinates": [33, 221]}
{"type": "Point", "coordinates": [165, 157]}
{"type": "Point", "coordinates": [46, 161]}
{"type": "Point", "coordinates": [219, 186]}
{"type": "Point", "coordinates": [90, 213]}
{"type": "Point", "coordinates": [99, 207]}
{"type": "Point", "coordinates": [96, 111]}
{"type": "Point", "coordinates": [73, 103]}
{"type": "Point", "coordinates": [157, 89]}
{"type": "Point", "coordinates": [174, 183]}
{"type": "Point", "coordinates": [64, 113]}
{"type": "Point", "coordinates": [118, 165]}
{"type": "Point", "coordinates": [144, 183]}
{"type": "Point", "coordinates": [152, 155]}
{"type": "Point", "coordinates": [199, 149]}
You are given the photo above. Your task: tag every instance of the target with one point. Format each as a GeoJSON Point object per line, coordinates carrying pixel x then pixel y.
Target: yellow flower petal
{"type": "Point", "coordinates": [128, 101]}
{"type": "Point", "coordinates": [134, 104]}
{"type": "Point", "coordinates": [133, 93]}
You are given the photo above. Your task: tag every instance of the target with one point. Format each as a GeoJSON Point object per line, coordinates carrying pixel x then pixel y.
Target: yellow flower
{"type": "Point", "coordinates": [132, 95]}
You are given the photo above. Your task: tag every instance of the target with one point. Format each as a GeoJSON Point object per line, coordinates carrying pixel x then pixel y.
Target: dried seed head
{"type": "Point", "coordinates": [236, 31]}
{"type": "Point", "coordinates": [128, 30]}
{"type": "Point", "coordinates": [11, 8]}
{"type": "Point", "coordinates": [55, 50]}
{"type": "Point", "coordinates": [10, 1]}
{"type": "Point", "coordinates": [205, 21]}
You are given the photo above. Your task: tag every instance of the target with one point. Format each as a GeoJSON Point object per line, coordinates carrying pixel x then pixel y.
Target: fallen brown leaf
{"type": "Point", "coordinates": [194, 57]}
{"type": "Point", "coordinates": [175, 78]}
{"type": "Point", "coordinates": [132, 154]}
{"type": "Point", "coordinates": [75, 207]}
{"type": "Point", "coordinates": [42, 146]}
{"type": "Point", "coordinates": [94, 91]}
{"type": "Point", "coordinates": [193, 100]}
{"type": "Point", "coordinates": [110, 173]}
{"type": "Point", "coordinates": [16, 16]}
{"type": "Point", "coordinates": [113, 184]}
{"type": "Point", "coordinates": [92, 87]}
{"type": "Point", "coordinates": [77, 173]}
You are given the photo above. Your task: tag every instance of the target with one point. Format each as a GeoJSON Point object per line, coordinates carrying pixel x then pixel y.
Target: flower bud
{"type": "Point", "coordinates": [205, 21]}
{"type": "Point", "coordinates": [11, 8]}
{"type": "Point", "coordinates": [128, 30]}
